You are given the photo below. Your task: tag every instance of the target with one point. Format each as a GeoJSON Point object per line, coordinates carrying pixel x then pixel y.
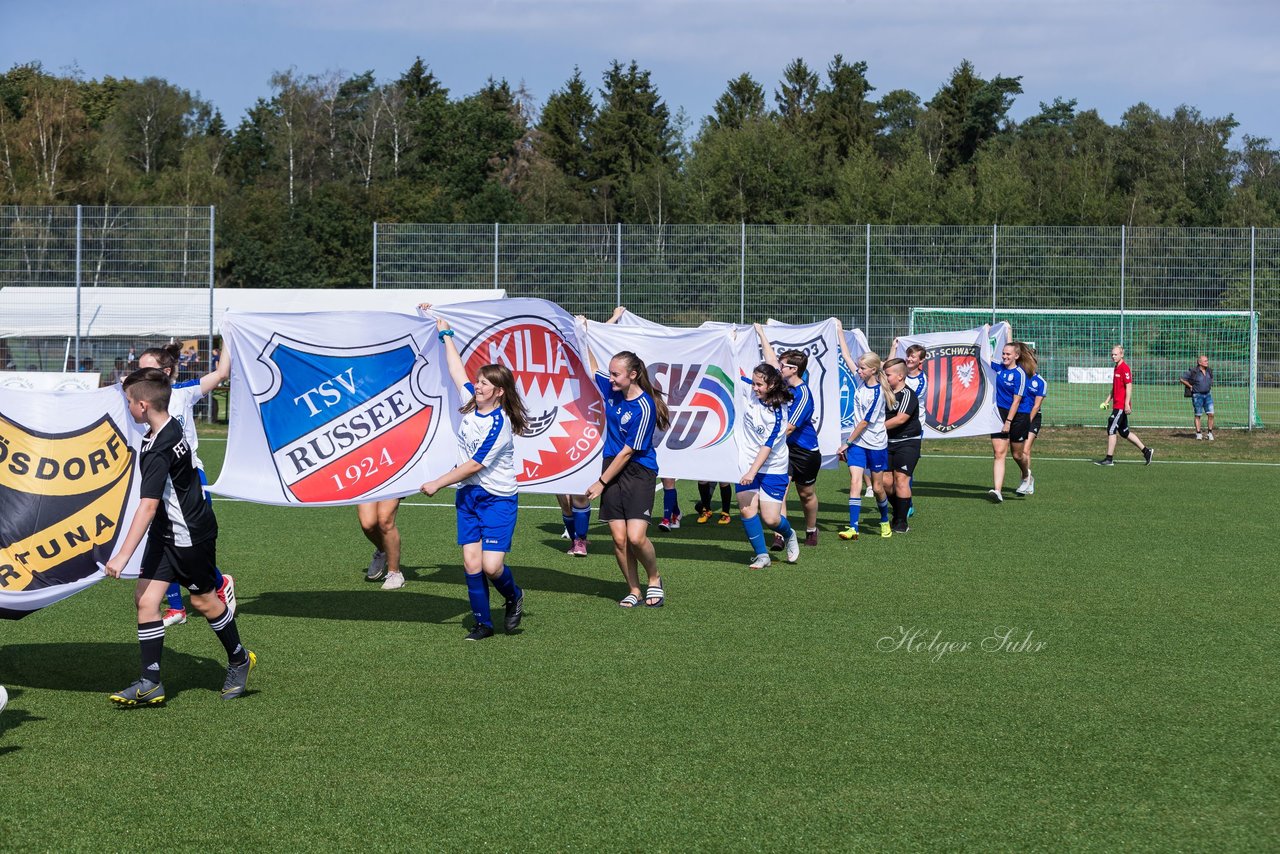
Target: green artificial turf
{"type": "Point", "coordinates": [758, 710]}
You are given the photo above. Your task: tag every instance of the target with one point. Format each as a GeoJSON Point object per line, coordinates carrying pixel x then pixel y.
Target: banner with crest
{"type": "Point", "coordinates": [68, 491]}
{"type": "Point", "coordinates": [336, 408]}
{"type": "Point", "coordinates": [960, 392]}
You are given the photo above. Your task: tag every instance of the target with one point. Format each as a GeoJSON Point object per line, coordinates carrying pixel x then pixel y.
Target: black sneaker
{"type": "Point", "coordinates": [515, 611]}
{"type": "Point", "coordinates": [144, 692]}
{"type": "Point", "coordinates": [480, 632]}
{"type": "Point", "coordinates": [238, 677]}
{"type": "Point", "coordinates": [1105, 461]}
{"type": "Point", "coordinates": [900, 527]}
{"type": "Point", "coordinates": [1147, 453]}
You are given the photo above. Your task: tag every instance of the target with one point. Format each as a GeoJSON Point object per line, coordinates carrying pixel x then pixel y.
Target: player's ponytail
{"type": "Point", "coordinates": [501, 378]}
{"type": "Point", "coordinates": [166, 357]}
{"type": "Point", "coordinates": [872, 362]}
{"type": "Point", "coordinates": [776, 393]}
{"type": "Point", "coordinates": [1026, 358]}
{"type": "Point", "coordinates": [634, 364]}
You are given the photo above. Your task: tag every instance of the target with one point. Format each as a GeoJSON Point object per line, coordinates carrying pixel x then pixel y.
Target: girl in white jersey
{"type": "Point", "coordinates": [867, 446]}
{"type": "Point", "coordinates": [486, 476]}
{"type": "Point", "coordinates": [766, 463]}
{"type": "Point", "coordinates": [183, 398]}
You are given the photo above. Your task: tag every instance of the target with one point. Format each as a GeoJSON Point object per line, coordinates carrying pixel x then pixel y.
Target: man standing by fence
{"type": "Point", "coordinates": [1199, 382]}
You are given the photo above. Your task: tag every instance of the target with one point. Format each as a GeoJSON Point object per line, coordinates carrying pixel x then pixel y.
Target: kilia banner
{"type": "Point", "coordinates": [535, 339]}
{"type": "Point", "coordinates": [335, 408]}
{"type": "Point", "coordinates": [68, 491]}
{"type": "Point", "coordinates": [960, 387]}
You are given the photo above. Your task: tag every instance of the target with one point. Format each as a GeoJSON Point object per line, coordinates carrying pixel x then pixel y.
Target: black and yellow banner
{"type": "Point", "coordinates": [66, 481]}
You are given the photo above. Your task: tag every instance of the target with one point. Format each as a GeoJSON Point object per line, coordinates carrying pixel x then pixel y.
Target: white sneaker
{"type": "Point", "coordinates": [760, 562]}
{"type": "Point", "coordinates": [564, 535]}
{"type": "Point", "coordinates": [870, 493]}
{"type": "Point", "coordinates": [1022, 488]}
{"type": "Point", "coordinates": [1199, 436]}
{"type": "Point", "coordinates": [995, 496]}
{"type": "Point", "coordinates": [1210, 436]}
{"type": "Point", "coordinates": [1031, 485]}
{"type": "Point", "coordinates": [395, 580]}
{"type": "Point", "coordinates": [793, 548]}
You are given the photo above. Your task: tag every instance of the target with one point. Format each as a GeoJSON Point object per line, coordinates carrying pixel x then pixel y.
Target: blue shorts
{"type": "Point", "coordinates": [772, 485]}
{"type": "Point", "coordinates": [867, 459]}
{"type": "Point", "coordinates": [486, 519]}
{"type": "Point", "coordinates": [1203, 403]}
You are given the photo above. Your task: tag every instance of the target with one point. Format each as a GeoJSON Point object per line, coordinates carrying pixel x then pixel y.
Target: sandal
{"type": "Point", "coordinates": [655, 596]}
{"type": "Point", "coordinates": [631, 600]}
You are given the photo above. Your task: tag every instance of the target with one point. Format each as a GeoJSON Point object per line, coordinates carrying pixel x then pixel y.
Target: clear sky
{"type": "Point", "coordinates": [1219, 57]}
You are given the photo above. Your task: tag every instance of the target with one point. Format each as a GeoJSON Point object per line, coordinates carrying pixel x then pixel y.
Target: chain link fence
{"type": "Point", "coordinates": [68, 274]}
{"type": "Point", "coordinates": [873, 276]}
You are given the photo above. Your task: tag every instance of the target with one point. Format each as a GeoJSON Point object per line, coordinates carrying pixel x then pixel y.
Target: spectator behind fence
{"type": "Point", "coordinates": [1199, 382]}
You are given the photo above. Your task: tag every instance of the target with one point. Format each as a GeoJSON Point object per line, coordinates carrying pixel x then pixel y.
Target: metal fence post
{"type": "Point", "coordinates": [1122, 257]}
{"type": "Point", "coordinates": [79, 244]}
{"type": "Point", "coordinates": [1253, 332]}
{"type": "Point", "coordinates": [742, 273]}
{"type": "Point", "coordinates": [495, 256]}
{"type": "Point", "coordinates": [994, 261]}
{"type": "Point", "coordinates": [619, 265]}
{"type": "Point", "coordinates": [866, 317]}
{"type": "Point", "coordinates": [375, 254]}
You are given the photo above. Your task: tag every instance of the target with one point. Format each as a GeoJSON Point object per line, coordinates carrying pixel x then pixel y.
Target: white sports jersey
{"type": "Point", "coordinates": [488, 440]}
{"type": "Point", "coordinates": [868, 405]}
{"type": "Point", "coordinates": [182, 402]}
{"type": "Point", "coordinates": [918, 384]}
{"type": "Point", "coordinates": [763, 425]}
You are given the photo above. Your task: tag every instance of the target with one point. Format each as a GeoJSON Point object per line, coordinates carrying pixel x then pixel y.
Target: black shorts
{"type": "Point", "coordinates": [903, 456]}
{"type": "Point", "coordinates": [1018, 430]}
{"type": "Point", "coordinates": [1118, 423]}
{"type": "Point", "coordinates": [1034, 429]}
{"type": "Point", "coordinates": [195, 567]}
{"type": "Point", "coordinates": [630, 495]}
{"type": "Point", "coordinates": [805, 465]}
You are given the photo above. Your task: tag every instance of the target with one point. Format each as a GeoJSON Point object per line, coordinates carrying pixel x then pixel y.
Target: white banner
{"type": "Point", "coordinates": [68, 492]}
{"type": "Point", "coordinates": [336, 408]}
{"type": "Point", "coordinates": [536, 340]}
{"type": "Point", "coordinates": [821, 342]}
{"type": "Point", "coordinates": [692, 368]}
{"type": "Point", "coordinates": [960, 391]}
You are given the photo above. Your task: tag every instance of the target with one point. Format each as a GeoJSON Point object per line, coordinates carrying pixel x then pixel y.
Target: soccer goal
{"type": "Point", "coordinates": [1074, 350]}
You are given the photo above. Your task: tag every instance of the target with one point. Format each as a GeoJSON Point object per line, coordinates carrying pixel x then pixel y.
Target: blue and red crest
{"type": "Point", "coordinates": [343, 422]}
{"type": "Point", "coordinates": [957, 386]}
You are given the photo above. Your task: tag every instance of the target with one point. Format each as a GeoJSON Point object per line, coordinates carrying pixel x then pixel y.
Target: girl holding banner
{"type": "Point", "coordinates": [1011, 388]}
{"type": "Point", "coordinates": [766, 461]}
{"type": "Point", "coordinates": [486, 501]}
{"type": "Point", "coordinates": [867, 447]}
{"type": "Point", "coordinates": [633, 411]}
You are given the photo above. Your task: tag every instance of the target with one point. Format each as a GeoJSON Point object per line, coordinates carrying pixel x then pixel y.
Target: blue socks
{"type": "Point", "coordinates": [174, 596]}
{"type": "Point", "coordinates": [581, 522]}
{"type": "Point", "coordinates": [670, 503]}
{"type": "Point", "coordinates": [855, 508]}
{"type": "Point", "coordinates": [884, 510]}
{"type": "Point", "coordinates": [505, 584]}
{"type": "Point", "coordinates": [755, 533]}
{"type": "Point", "coordinates": [569, 524]}
{"type": "Point", "coordinates": [478, 595]}
{"type": "Point", "coordinates": [784, 527]}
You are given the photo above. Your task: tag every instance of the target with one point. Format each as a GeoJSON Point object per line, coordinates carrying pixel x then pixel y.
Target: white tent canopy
{"type": "Point", "coordinates": [184, 312]}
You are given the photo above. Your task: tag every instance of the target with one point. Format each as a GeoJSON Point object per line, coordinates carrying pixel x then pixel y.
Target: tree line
{"type": "Point", "coordinates": [310, 166]}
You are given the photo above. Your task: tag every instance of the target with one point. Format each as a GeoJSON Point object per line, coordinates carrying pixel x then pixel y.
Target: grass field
{"type": "Point", "coordinates": [758, 710]}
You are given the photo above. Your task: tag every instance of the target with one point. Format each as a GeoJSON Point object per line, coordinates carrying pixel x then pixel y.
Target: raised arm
{"type": "Point", "coordinates": [844, 349]}
{"type": "Point", "coordinates": [592, 364]}
{"type": "Point", "coordinates": [456, 371]}
{"type": "Point", "coordinates": [220, 374]}
{"type": "Point", "coordinates": [770, 356]}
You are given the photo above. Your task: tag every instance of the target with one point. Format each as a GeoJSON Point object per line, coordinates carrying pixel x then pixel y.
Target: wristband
{"type": "Point", "coordinates": [445, 333]}
{"type": "Point", "coordinates": [600, 481]}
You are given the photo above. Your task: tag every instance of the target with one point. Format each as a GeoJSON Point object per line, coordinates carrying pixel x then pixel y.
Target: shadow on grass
{"type": "Point", "coordinates": [11, 719]}
{"type": "Point", "coordinates": [541, 578]}
{"type": "Point", "coordinates": [101, 668]}
{"type": "Point", "coordinates": [373, 605]}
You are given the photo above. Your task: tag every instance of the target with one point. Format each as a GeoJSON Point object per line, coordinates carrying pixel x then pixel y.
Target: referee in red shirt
{"type": "Point", "coordinates": [1121, 400]}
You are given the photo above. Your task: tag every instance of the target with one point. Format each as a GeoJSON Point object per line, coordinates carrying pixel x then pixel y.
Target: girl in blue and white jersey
{"type": "Point", "coordinates": [763, 454]}
{"type": "Point", "coordinates": [486, 476]}
{"type": "Point", "coordinates": [634, 411]}
{"type": "Point", "coordinates": [1037, 389]}
{"type": "Point", "coordinates": [1011, 388]}
{"type": "Point", "coordinates": [867, 445]}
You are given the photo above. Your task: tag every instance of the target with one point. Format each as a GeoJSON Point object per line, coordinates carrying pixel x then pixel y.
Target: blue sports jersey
{"type": "Point", "coordinates": [1009, 382]}
{"type": "Point", "coordinates": [487, 440]}
{"type": "Point", "coordinates": [800, 415]}
{"type": "Point", "coordinates": [628, 423]}
{"type": "Point", "coordinates": [1036, 387]}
